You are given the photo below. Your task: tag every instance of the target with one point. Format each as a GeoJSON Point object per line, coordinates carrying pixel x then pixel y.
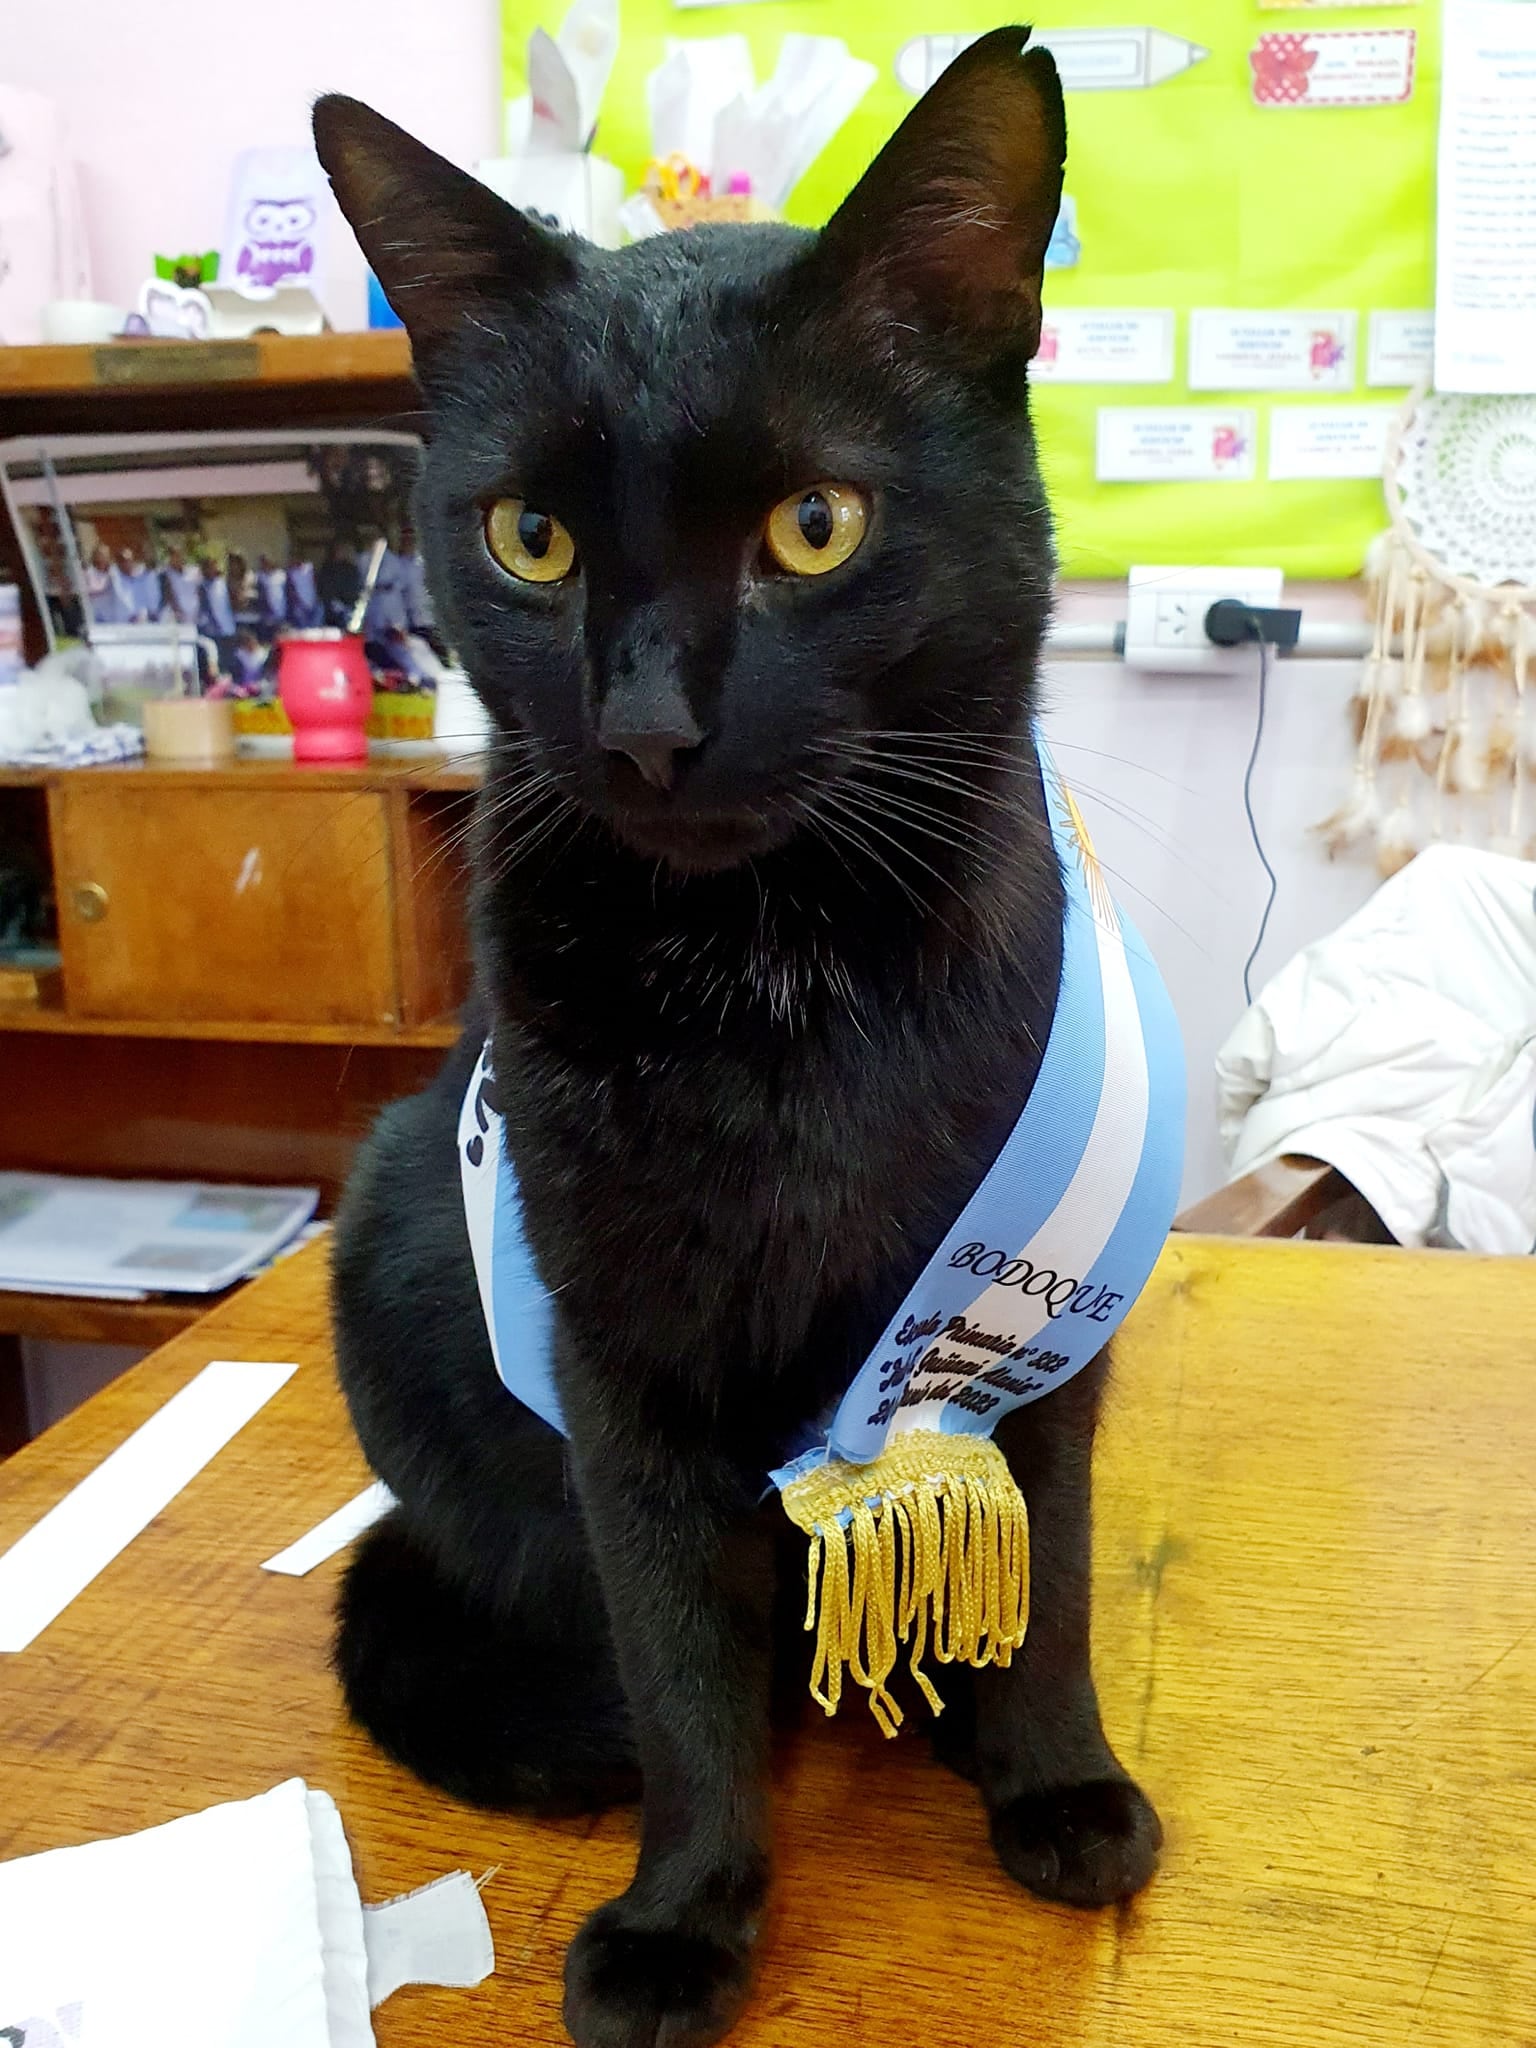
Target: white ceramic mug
{"type": "Point", "coordinates": [77, 320]}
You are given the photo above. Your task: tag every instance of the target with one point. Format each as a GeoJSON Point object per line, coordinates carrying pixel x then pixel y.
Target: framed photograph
{"type": "Point", "coordinates": [182, 560]}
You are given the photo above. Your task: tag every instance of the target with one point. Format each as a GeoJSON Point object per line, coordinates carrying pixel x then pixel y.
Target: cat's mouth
{"type": "Point", "coordinates": [699, 842]}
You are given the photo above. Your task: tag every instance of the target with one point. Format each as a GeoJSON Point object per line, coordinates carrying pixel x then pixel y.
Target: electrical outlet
{"type": "Point", "coordinates": [1165, 617]}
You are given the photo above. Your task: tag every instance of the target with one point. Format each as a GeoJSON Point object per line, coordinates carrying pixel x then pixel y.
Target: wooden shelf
{"type": "Point", "coordinates": [440, 1032]}
{"type": "Point", "coordinates": [267, 380]}
{"type": "Point", "coordinates": [379, 357]}
{"type": "Point", "coordinates": [79, 1319]}
{"type": "Point", "coordinates": [447, 772]}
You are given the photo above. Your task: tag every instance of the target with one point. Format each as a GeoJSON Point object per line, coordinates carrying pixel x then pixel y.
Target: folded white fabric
{"type": "Point", "coordinates": [1402, 1049]}
{"type": "Point", "coordinates": [233, 1928]}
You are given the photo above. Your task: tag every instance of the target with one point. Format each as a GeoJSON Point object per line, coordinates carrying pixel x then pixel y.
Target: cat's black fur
{"type": "Point", "coordinates": [756, 1037]}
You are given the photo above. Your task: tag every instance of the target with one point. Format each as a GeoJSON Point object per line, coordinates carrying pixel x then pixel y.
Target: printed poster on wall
{"type": "Point", "coordinates": [1485, 313]}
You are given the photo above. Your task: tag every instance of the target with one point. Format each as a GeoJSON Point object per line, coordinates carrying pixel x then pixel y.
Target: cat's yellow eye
{"type": "Point", "coordinates": [813, 531]}
{"type": "Point", "coordinates": [530, 545]}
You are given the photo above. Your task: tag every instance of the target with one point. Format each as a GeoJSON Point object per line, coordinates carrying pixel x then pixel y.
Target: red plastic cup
{"type": "Point", "coordinates": [327, 691]}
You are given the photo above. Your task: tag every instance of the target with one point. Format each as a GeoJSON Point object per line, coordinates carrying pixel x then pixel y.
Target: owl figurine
{"type": "Point", "coordinates": [278, 242]}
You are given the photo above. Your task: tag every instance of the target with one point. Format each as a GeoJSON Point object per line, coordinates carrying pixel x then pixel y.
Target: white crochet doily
{"type": "Point", "coordinates": [1466, 472]}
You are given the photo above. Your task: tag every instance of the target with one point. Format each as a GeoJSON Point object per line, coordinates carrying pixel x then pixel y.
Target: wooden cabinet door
{"type": "Point", "coordinates": [264, 905]}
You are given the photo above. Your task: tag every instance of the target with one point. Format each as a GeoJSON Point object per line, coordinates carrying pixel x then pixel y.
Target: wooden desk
{"type": "Point", "coordinates": [1316, 1636]}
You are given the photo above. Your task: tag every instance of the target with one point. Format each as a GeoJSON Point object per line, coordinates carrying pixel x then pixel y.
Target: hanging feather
{"type": "Point", "coordinates": [1441, 713]}
{"type": "Point", "coordinates": [1354, 821]}
{"type": "Point", "coordinates": [1413, 720]}
{"type": "Point", "coordinates": [1398, 840]}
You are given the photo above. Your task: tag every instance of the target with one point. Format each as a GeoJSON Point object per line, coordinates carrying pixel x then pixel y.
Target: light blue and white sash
{"type": "Point", "coordinates": [1026, 1289]}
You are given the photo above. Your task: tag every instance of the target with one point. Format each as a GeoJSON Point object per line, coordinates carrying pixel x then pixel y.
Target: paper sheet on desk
{"type": "Point", "coordinates": [237, 1927]}
{"type": "Point", "coordinates": [334, 1533]}
{"type": "Point", "coordinates": [76, 1540]}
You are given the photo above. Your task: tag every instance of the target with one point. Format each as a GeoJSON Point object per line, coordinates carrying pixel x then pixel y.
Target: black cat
{"type": "Point", "coordinates": [741, 536]}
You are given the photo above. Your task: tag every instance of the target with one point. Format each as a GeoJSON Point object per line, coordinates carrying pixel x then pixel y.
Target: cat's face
{"type": "Point", "coordinates": [709, 516]}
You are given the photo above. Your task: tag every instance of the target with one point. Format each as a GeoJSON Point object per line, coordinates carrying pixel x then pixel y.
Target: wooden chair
{"type": "Point", "coordinates": [1293, 1196]}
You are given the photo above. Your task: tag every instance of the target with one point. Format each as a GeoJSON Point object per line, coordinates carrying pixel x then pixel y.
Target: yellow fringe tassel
{"type": "Point", "coordinates": [933, 1533]}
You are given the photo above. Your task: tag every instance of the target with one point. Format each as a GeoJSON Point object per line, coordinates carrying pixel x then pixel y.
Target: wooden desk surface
{"type": "Point", "coordinates": [1316, 1636]}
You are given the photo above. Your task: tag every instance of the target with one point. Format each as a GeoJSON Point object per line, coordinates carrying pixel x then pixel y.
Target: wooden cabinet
{"type": "Point", "coordinates": [254, 901]}
{"type": "Point", "coordinates": [306, 927]}
{"type": "Point", "coordinates": [221, 903]}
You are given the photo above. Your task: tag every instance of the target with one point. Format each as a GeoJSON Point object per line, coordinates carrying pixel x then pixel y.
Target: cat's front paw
{"type": "Point", "coordinates": [1087, 1844]}
{"type": "Point", "coordinates": [650, 1987]}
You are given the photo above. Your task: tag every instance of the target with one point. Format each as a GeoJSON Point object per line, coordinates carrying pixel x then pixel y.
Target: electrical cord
{"type": "Point", "coordinates": [1253, 823]}
{"type": "Point", "coordinates": [1231, 623]}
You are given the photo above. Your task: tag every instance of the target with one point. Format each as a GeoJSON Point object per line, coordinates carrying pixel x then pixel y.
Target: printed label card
{"type": "Point", "coordinates": [1400, 348]}
{"type": "Point", "coordinates": [1262, 351]}
{"type": "Point", "coordinates": [1089, 345]}
{"type": "Point", "coordinates": [1351, 67]}
{"type": "Point", "coordinates": [1168, 444]}
{"type": "Point", "coordinates": [1336, 441]}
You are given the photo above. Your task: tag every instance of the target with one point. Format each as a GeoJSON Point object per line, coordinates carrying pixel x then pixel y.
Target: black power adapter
{"type": "Point", "coordinates": [1230, 623]}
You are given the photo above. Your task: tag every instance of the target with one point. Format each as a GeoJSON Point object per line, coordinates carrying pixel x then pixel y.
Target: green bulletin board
{"type": "Point", "coordinates": [1187, 194]}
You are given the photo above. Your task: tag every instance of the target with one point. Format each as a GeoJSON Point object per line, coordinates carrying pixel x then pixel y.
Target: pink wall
{"type": "Point", "coordinates": [160, 95]}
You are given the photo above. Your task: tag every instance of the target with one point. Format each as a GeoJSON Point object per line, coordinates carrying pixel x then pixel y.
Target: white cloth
{"type": "Point", "coordinates": [1402, 1050]}
{"type": "Point", "coordinates": [233, 1928]}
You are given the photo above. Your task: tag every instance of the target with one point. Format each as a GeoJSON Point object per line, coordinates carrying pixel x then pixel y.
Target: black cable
{"type": "Point", "coordinates": [1253, 825]}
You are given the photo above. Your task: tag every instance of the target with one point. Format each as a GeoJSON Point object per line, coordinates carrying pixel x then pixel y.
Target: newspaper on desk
{"type": "Point", "coordinates": [123, 1239]}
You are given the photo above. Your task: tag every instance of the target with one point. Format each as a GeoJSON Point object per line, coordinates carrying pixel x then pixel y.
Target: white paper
{"type": "Point", "coordinates": [1337, 441]}
{"type": "Point", "coordinates": [1088, 59]}
{"type": "Point", "coordinates": [1352, 67]}
{"type": "Point", "coordinates": [334, 1533]}
{"type": "Point", "coordinates": [567, 75]}
{"type": "Point", "coordinates": [1267, 351]}
{"type": "Point", "coordinates": [1175, 444]}
{"type": "Point", "coordinates": [1485, 270]}
{"type": "Point", "coordinates": [1092, 345]}
{"type": "Point", "coordinates": [554, 125]}
{"type": "Point", "coordinates": [687, 91]}
{"type": "Point", "coordinates": [182, 1237]}
{"type": "Point", "coordinates": [1399, 349]}
{"type": "Point", "coordinates": [60, 1555]}
{"type": "Point", "coordinates": [436, 1935]}
{"type": "Point", "coordinates": [771, 135]}
{"type": "Point", "coordinates": [1118, 59]}
{"type": "Point", "coordinates": [577, 191]}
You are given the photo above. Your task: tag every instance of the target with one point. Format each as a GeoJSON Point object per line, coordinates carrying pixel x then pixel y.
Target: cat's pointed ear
{"type": "Point", "coordinates": [439, 241]}
{"type": "Point", "coordinates": [952, 219]}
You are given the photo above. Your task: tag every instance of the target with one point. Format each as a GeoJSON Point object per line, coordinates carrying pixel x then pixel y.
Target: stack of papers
{"type": "Point", "coordinates": [123, 1239]}
{"type": "Point", "coordinates": [230, 1928]}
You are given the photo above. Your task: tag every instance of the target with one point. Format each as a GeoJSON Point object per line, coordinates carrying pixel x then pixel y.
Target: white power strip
{"type": "Point", "coordinates": [1165, 617]}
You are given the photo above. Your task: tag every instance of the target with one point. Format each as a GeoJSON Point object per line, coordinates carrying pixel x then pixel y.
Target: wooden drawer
{"type": "Point", "coordinates": [268, 905]}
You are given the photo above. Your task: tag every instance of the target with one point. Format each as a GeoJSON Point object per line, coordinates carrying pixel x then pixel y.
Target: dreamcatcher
{"type": "Point", "coordinates": [1446, 731]}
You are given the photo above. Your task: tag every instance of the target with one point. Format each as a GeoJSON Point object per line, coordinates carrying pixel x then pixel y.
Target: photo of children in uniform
{"type": "Point", "coordinates": [235, 572]}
